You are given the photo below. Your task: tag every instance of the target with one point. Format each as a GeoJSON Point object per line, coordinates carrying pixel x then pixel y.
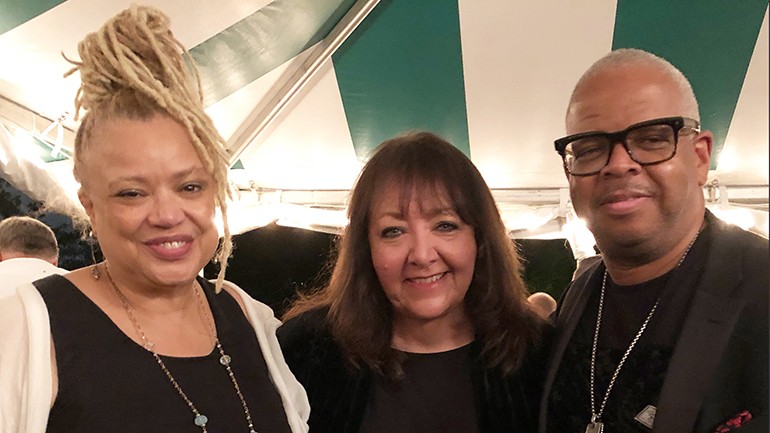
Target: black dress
{"type": "Point", "coordinates": [108, 383]}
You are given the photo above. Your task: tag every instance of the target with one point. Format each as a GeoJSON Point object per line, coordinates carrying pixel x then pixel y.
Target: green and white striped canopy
{"type": "Point", "coordinates": [303, 90]}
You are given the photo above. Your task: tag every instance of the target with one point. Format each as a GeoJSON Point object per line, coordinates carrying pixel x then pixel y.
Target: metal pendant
{"type": "Point", "coordinates": [595, 427]}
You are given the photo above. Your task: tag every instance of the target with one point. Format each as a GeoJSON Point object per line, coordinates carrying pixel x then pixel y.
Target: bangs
{"type": "Point", "coordinates": [429, 190]}
{"type": "Point", "coordinates": [424, 168]}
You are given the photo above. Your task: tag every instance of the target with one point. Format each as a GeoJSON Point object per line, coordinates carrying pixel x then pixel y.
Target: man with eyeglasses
{"type": "Point", "coordinates": [669, 331]}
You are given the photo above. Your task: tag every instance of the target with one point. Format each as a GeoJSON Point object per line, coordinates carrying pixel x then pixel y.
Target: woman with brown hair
{"type": "Point", "coordinates": [424, 325]}
{"type": "Point", "coordinates": [139, 342]}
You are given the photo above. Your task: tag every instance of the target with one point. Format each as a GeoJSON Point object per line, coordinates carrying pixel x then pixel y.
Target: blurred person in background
{"type": "Point", "coordinates": [28, 251]}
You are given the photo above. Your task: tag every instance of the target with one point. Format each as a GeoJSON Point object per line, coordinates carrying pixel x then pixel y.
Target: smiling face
{"type": "Point", "coordinates": [632, 209]}
{"type": "Point", "coordinates": [150, 201]}
{"type": "Point", "coordinates": [424, 258]}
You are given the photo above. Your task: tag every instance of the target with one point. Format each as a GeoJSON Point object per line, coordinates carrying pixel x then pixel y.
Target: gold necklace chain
{"type": "Point", "coordinates": [224, 359]}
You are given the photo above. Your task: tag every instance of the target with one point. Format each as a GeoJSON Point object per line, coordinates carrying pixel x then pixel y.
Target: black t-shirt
{"type": "Point", "coordinates": [641, 378]}
{"type": "Point", "coordinates": [435, 396]}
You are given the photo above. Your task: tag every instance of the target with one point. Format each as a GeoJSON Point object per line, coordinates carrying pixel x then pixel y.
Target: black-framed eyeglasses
{"type": "Point", "coordinates": [647, 143]}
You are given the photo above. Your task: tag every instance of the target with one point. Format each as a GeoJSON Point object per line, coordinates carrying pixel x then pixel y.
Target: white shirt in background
{"type": "Point", "coordinates": [17, 271]}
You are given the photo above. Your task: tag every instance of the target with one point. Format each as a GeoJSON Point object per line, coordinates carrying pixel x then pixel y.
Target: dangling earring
{"type": "Point", "coordinates": [92, 241]}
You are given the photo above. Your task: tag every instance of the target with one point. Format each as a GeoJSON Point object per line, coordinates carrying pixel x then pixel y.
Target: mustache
{"type": "Point", "coordinates": [618, 194]}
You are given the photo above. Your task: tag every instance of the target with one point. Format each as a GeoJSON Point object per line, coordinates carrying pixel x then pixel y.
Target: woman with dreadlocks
{"type": "Point", "coordinates": [138, 342]}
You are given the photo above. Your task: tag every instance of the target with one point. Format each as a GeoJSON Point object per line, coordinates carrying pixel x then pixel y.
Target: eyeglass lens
{"type": "Point", "coordinates": [645, 145]}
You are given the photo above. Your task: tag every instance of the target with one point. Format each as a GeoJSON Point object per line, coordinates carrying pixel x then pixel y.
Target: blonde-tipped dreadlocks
{"type": "Point", "coordinates": [134, 67]}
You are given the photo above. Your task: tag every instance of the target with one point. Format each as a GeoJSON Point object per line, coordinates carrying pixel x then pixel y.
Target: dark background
{"type": "Point", "coordinates": [273, 262]}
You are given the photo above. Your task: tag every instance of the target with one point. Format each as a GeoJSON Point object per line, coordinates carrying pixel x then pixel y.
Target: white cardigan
{"type": "Point", "coordinates": [25, 362]}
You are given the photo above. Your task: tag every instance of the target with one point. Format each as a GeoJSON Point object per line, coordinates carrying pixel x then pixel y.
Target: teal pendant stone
{"type": "Point", "coordinates": [201, 420]}
{"type": "Point", "coordinates": [224, 360]}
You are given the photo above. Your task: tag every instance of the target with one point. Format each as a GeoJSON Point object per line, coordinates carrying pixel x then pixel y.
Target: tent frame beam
{"type": "Point", "coordinates": [283, 92]}
{"type": "Point", "coordinates": [752, 196]}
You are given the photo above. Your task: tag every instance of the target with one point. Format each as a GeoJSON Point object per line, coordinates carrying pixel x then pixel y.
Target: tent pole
{"type": "Point", "coordinates": [283, 92]}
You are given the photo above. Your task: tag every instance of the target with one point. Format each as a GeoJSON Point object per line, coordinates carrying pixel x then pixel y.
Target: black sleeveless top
{"type": "Point", "coordinates": [108, 383]}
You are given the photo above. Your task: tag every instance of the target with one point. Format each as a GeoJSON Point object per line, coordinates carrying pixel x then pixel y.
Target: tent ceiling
{"type": "Point", "coordinates": [302, 90]}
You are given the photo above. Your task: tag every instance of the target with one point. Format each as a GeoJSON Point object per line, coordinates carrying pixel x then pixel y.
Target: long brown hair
{"type": "Point", "coordinates": [360, 314]}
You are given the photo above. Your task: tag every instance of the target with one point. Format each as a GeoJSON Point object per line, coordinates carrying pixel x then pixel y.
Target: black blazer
{"type": "Point", "coordinates": [719, 367]}
{"type": "Point", "coordinates": [338, 393]}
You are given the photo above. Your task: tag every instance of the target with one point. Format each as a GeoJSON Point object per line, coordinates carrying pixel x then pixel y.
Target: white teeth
{"type": "Point", "coordinates": [171, 245]}
{"type": "Point", "coordinates": [429, 279]}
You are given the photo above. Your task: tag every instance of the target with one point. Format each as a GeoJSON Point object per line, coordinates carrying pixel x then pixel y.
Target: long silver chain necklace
{"type": "Point", "coordinates": [596, 425]}
{"type": "Point", "coordinates": [200, 419]}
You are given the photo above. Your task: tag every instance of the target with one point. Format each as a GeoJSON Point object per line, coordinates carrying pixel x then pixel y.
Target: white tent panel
{"type": "Point", "coordinates": [518, 78]}
{"type": "Point", "coordinates": [744, 158]}
{"type": "Point", "coordinates": [230, 112]}
{"type": "Point", "coordinates": [309, 146]}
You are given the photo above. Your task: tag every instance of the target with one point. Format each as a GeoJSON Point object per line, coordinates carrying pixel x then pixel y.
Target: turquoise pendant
{"type": "Point", "coordinates": [201, 420]}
